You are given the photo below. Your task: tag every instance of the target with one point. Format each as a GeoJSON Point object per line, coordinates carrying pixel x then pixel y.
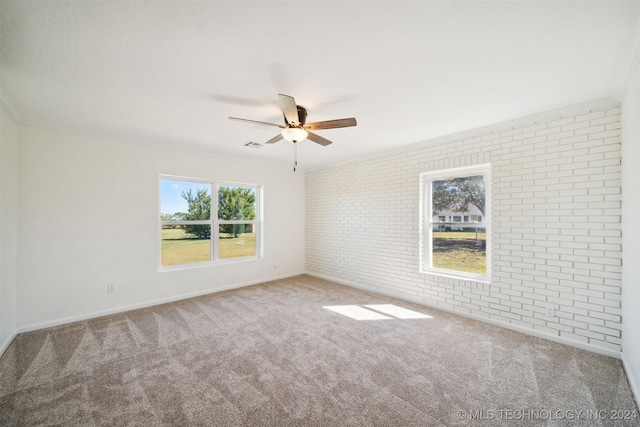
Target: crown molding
{"type": "Point", "coordinates": [10, 107]}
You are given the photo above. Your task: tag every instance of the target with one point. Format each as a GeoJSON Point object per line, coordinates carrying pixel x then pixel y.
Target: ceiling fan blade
{"type": "Point", "coordinates": [275, 139]}
{"type": "Point", "coordinates": [256, 122]}
{"type": "Point", "coordinates": [331, 124]}
{"type": "Point", "coordinates": [318, 139]}
{"type": "Point", "coordinates": [289, 109]}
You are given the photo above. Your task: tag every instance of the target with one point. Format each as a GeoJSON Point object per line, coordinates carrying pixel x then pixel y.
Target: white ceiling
{"type": "Point", "coordinates": [171, 72]}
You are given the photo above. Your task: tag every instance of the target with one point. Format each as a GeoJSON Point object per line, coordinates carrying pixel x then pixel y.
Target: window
{"type": "Point", "coordinates": [459, 246]}
{"type": "Point", "coordinates": [205, 222]}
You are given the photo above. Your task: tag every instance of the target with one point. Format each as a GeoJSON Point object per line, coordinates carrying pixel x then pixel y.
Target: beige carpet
{"type": "Point", "coordinates": [273, 355]}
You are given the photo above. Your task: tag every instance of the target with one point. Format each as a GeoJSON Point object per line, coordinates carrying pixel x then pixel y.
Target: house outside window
{"type": "Point", "coordinates": [204, 222]}
{"type": "Point", "coordinates": [459, 245]}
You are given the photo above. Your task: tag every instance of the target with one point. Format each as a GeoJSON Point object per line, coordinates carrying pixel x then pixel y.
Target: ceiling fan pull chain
{"type": "Point", "coordinates": [295, 156]}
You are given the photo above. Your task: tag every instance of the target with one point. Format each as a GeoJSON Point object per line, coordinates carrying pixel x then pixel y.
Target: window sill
{"type": "Point", "coordinates": [163, 268]}
{"type": "Point", "coordinates": [480, 278]}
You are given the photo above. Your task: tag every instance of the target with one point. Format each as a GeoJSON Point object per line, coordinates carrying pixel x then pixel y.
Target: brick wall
{"type": "Point", "coordinates": [556, 226]}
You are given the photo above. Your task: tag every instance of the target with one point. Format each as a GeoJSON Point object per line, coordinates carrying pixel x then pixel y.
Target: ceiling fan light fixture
{"type": "Point", "coordinates": [294, 134]}
{"type": "Point", "coordinates": [295, 125]}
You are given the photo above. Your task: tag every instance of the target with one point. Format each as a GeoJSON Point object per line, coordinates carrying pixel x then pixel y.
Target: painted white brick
{"type": "Point", "coordinates": [606, 331]}
{"type": "Point", "coordinates": [556, 226]}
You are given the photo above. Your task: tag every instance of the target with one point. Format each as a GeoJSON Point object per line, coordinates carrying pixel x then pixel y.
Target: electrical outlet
{"type": "Point", "coordinates": [548, 311]}
{"type": "Point", "coordinates": [111, 288]}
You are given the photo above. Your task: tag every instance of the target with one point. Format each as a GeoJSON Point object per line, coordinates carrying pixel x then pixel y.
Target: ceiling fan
{"type": "Point", "coordinates": [295, 128]}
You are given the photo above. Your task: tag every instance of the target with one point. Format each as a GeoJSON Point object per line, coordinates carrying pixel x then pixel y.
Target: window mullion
{"type": "Point", "coordinates": [215, 229]}
{"type": "Point", "coordinates": [197, 222]}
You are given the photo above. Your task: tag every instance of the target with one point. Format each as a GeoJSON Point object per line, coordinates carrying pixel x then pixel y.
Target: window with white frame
{"type": "Point", "coordinates": [455, 222]}
{"type": "Point", "coordinates": [206, 221]}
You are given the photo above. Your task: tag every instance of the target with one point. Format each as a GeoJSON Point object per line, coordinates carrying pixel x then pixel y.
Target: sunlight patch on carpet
{"type": "Point", "coordinates": [376, 312]}
{"type": "Point", "coordinates": [356, 312]}
{"type": "Point", "coordinates": [399, 312]}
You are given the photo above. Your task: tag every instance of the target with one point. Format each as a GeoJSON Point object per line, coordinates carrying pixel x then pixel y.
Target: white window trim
{"type": "Point", "coordinates": [426, 222]}
{"type": "Point", "coordinates": [214, 222]}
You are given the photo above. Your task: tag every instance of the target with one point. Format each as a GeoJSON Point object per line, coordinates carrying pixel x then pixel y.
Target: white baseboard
{"type": "Point", "coordinates": [633, 380]}
{"type": "Point", "coordinates": [5, 345]}
{"type": "Point", "coordinates": [526, 331]}
{"type": "Point", "coordinates": [123, 309]}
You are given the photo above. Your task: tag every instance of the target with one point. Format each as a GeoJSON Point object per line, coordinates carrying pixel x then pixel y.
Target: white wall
{"type": "Point", "coordinates": [556, 225]}
{"type": "Point", "coordinates": [88, 216]}
{"type": "Point", "coordinates": [631, 235]}
{"type": "Point", "coordinates": [8, 228]}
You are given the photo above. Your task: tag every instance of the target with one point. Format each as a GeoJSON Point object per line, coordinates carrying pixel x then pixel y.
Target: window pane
{"type": "Point", "coordinates": [461, 250]}
{"type": "Point", "coordinates": [184, 201]}
{"type": "Point", "coordinates": [237, 240]}
{"type": "Point", "coordinates": [182, 244]}
{"type": "Point", "coordinates": [236, 203]}
{"type": "Point", "coordinates": [457, 196]}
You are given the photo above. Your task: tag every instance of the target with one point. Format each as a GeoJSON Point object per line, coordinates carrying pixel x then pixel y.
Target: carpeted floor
{"type": "Point", "coordinates": [274, 355]}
